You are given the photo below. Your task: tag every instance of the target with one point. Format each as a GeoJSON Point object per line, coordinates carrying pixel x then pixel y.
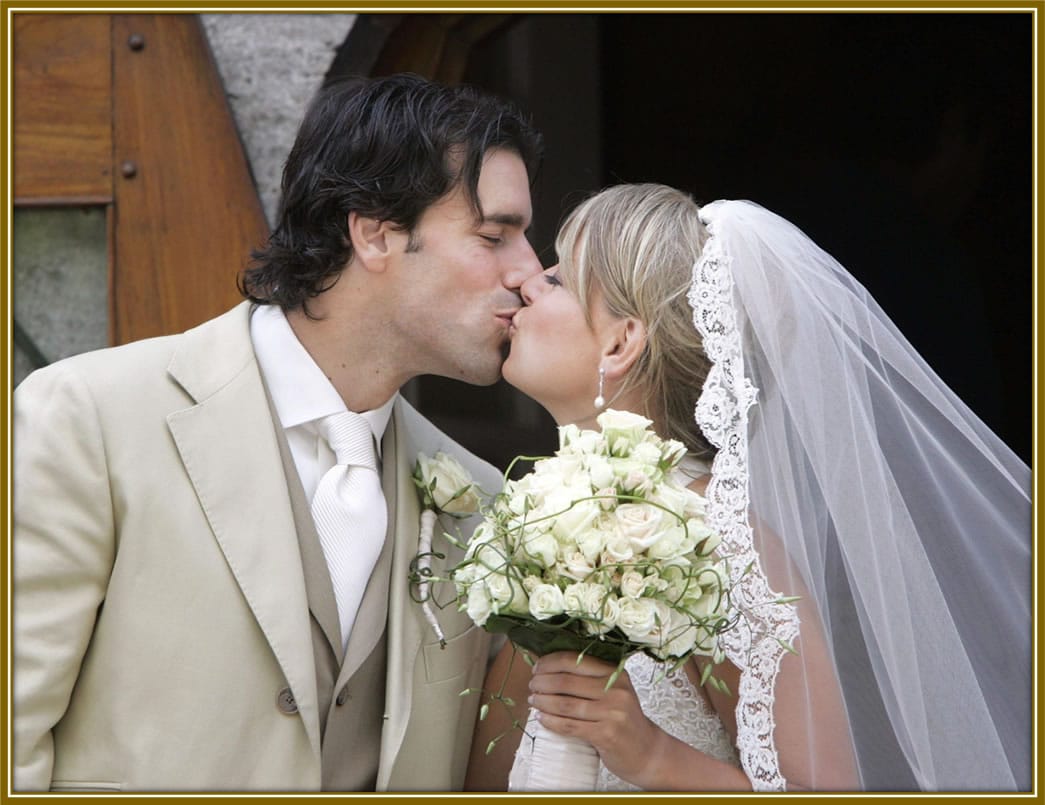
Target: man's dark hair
{"type": "Point", "coordinates": [385, 148]}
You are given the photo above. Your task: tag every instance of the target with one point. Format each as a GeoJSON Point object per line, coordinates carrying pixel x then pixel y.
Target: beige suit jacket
{"type": "Point", "coordinates": [160, 610]}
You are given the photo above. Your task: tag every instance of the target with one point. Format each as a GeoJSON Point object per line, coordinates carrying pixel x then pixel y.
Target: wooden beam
{"type": "Point", "coordinates": [62, 101]}
{"type": "Point", "coordinates": [187, 211]}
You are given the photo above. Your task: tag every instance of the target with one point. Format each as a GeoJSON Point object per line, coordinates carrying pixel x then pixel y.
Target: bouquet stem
{"type": "Point", "coordinates": [555, 763]}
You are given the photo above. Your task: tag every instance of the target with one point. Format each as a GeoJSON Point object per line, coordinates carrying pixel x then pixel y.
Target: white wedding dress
{"type": "Point", "coordinates": [671, 702]}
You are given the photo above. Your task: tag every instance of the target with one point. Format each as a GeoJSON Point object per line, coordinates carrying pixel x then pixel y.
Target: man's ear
{"type": "Point", "coordinates": [372, 241]}
{"type": "Point", "coordinates": [626, 339]}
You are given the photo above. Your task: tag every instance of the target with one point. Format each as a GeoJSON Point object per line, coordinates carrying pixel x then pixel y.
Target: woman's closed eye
{"type": "Point", "coordinates": [552, 277]}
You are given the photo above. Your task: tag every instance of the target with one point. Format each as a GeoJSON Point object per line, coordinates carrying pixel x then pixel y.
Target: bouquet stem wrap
{"type": "Point", "coordinates": [555, 762]}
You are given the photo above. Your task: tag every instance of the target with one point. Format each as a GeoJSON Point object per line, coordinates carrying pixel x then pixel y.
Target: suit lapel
{"type": "Point", "coordinates": [243, 491]}
{"type": "Point", "coordinates": [405, 621]}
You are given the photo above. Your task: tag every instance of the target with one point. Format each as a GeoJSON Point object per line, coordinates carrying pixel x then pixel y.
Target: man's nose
{"type": "Point", "coordinates": [522, 267]}
{"type": "Point", "coordinates": [529, 289]}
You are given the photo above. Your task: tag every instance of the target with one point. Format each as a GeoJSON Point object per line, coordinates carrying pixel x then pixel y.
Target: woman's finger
{"type": "Point", "coordinates": [567, 662]}
{"type": "Point", "coordinates": [565, 707]}
{"type": "Point", "coordinates": [568, 684]}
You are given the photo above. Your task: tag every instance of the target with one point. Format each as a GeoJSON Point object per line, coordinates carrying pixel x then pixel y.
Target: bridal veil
{"type": "Point", "coordinates": [866, 487]}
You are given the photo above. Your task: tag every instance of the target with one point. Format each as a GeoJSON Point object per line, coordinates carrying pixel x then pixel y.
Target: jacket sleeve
{"type": "Point", "coordinates": [63, 552]}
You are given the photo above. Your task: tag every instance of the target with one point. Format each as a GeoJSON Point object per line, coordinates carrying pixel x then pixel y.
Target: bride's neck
{"type": "Point", "coordinates": [632, 402]}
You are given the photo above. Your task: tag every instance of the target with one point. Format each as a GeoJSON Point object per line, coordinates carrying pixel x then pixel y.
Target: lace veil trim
{"type": "Point", "coordinates": [757, 644]}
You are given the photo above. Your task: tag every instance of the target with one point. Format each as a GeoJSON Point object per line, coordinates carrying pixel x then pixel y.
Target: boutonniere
{"type": "Point", "coordinates": [445, 487]}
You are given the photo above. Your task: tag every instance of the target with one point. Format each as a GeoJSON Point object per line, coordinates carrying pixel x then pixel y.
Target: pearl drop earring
{"type": "Point", "coordinates": [599, 399]}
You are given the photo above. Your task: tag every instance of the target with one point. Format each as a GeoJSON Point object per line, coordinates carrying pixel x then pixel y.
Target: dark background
{"type": "Point", "coordinates": [900, 142]}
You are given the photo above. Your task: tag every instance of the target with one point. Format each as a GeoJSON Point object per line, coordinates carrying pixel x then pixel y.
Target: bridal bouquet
{"type": "Point", "coordinates": [600, 550]}
{"type": "Point", "coordinates": [603, 550]}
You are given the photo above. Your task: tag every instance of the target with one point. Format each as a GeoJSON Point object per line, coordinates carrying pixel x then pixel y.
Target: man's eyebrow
{"type": "Point", "coordinates": [505, 219]}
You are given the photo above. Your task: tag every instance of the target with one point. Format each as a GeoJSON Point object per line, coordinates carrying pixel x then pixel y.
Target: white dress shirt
{"type": "Point", "coordinates": [302, 395]}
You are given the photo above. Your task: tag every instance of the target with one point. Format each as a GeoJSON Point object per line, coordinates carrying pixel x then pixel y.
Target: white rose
{"type": "Point", "coordinates": [659, 636]}
{"type": "Point", "coordinates": [590, 443]}
{"type": "Point", "coordinates": [484, 533]}
{"type": "Point", "coordinates": [712, 579]}
{"type": "Point", "coordinates": [593, 604]}
{"type": "Point", "coordinates": [546, 601]}
{"type": "Point", "coordinates": [607, 498]}
{"type": "Point", "coordinates": [579, 442]}
{"type": "Point", "coordinates": [677, 580]}
{"type": "Point", "coordinates": [648, 453]}
{"type": "Point", "coordinates": [519, 501]}
{"type": "Point", "coordinates": [575, 565]}
{"type": "Point", "coordinates": [554, 471]}
{"type": "Point", "coordinates": [567, 467]}
{"type": "Point", "coordinates": [705, 540]}
{"type": "Point", "coordinates": [507, 595]}
{"type": "Point", "coordinates": [540, 545]}
{"type": "Point", "coordinates": [673, 452]}
{"type": "Point", "coordinates": [600, 470]}
{"type": "Point", "coordinates": [670, 543]}
{"type": "Point", "coordinates": [618, 549]}
{"type": "Point", "coordinates": [557, 501]}
{"type": "Point", "coordinates": [464, 577]}
{"type": "Point", "coordinates": [591, 542]}
{"type": "Point", "coordinates": [622, 429]}
{"type": "Point", "coordinates": [633, 477]}
{"type": "Point", "coordinates": [487, 555]}
{"type": "Point", "coordinates": [479, 604]}
{"type": "Point", "coordinates": [636, 618]}
{"type": "Point", "coordinates": [632, 584]}
{"type": "Point", "coordinates": [531, 583]}
{"type": "Point", "coordinates": [449, 484]}
{"type": "Point", "coordinates": [705, 606]}
{"type": "Point", "coordinates": [571, 599]}
{"type": "Point", "coordinates": [603, 610]}
{"type": "Point", "coordinates": [672, 497]}
{"type": "Point", "coordinates": [545, 477]}
{"type": "Point", "coordinates": [569, 526]}
{"type": "Point", "coordinates": [575, 599]}
{"type": "Point", "coordinates": [568, 435]}
{"type": "Point", "coordinates": [695, 504]}
{"type": "Point", "coordinates": [640, 523]}
{"type": "Point", "coordinates": [680, 637]}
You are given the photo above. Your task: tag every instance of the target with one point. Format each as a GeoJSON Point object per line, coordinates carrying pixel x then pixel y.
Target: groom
{"type": "Point", "coordinates": [181, 621]}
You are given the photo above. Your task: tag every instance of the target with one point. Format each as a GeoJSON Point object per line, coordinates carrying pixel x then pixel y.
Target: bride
{"type": "Point", "coordinates": [834, 457]}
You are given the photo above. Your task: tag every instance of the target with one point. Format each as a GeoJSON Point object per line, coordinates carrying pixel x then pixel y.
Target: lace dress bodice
{"type": "Point", "coordinates": [675, 705]}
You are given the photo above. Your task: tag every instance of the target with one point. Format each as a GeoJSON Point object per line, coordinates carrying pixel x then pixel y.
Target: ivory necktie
{"type": "Point", "coordinates": [349, 511]}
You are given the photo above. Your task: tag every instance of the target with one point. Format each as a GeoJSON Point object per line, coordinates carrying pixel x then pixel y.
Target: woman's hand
{"type": "Point", "coordinates": [573, 700]}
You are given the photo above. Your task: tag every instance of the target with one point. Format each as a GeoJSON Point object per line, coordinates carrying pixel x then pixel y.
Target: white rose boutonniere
{"type": "Point", "coordinates": [445, 487]}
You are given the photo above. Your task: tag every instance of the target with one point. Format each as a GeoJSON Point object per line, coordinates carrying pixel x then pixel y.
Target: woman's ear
{"type": "Point", "coordinates": [371, 241]}
{"type": "Point", "coordinates": [623, 347]}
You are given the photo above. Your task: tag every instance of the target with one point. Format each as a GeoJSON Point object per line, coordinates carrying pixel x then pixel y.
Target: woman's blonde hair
{"type": "Point", "coordinates": [635, 245]}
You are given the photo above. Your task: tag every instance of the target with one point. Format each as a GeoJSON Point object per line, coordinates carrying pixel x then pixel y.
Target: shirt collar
{"type": "Point", "coordinates": [300, 391]}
